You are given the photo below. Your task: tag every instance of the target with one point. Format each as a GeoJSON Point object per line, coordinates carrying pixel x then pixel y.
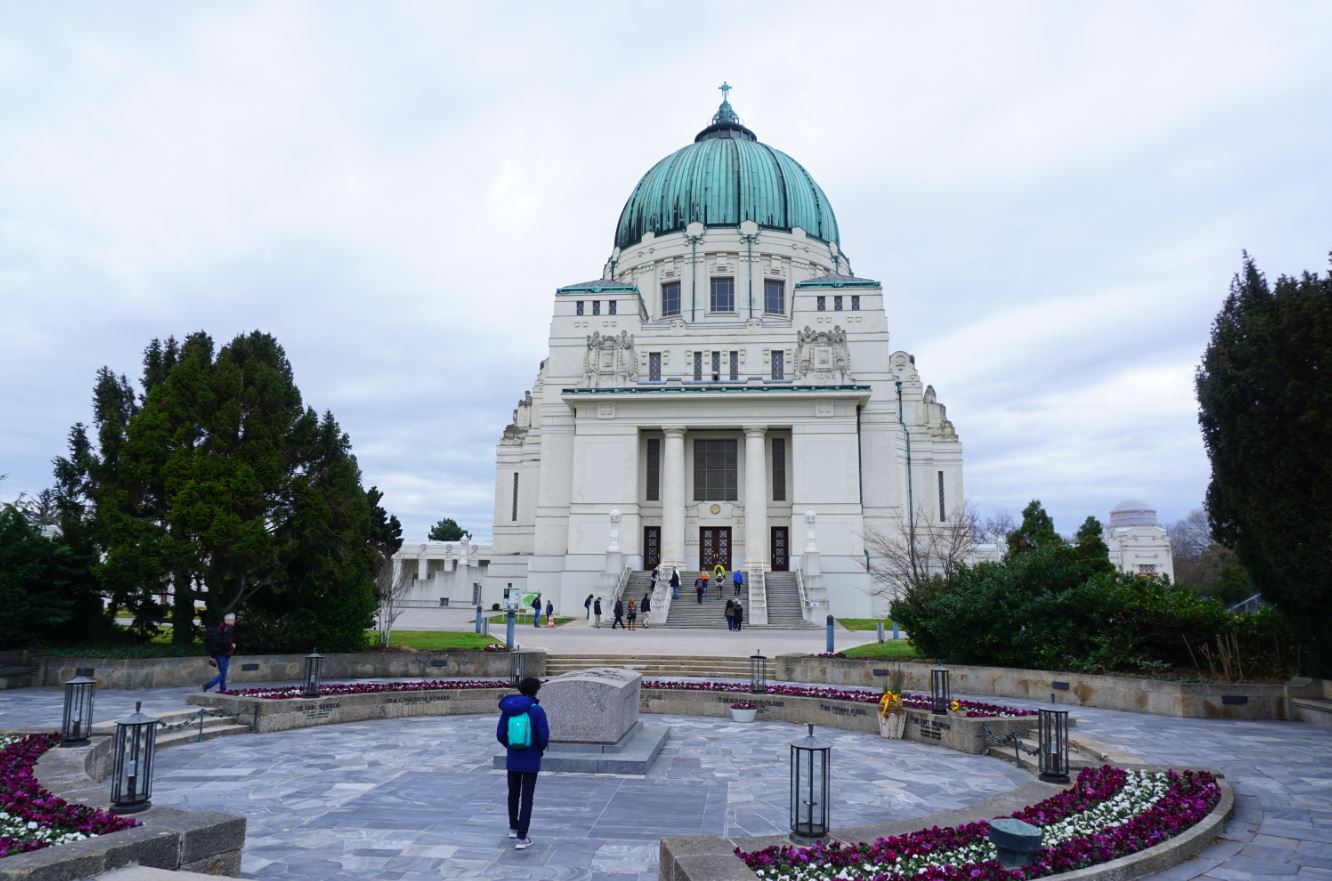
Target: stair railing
{"type": "Point", "coordinates": [661, 601]}
{"type": "Point", "coordinates": [757, 611]}
{"type": "Point", "coordinates": [620, 584]}
{"type": "Point", "coordinates": [806, 611]}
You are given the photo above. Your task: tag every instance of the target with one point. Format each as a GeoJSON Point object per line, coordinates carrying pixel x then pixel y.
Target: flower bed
{"type": "Point", "coordinates": [30, 816]}
{"type": "Point", "coordinates": [296, 692]}
{"type": "Point", "coordinates": [1108, 813]}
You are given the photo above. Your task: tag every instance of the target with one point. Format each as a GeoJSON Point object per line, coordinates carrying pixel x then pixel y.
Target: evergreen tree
{"type": "Point", "coordinates": [446, 529]}
{"type": "Point", "coordinates": [35, 583]}
{"type": "Point", "coordinates": [1265, 409]}
{"type": "Point", "coordinates": [1090, 548]}
{"type": "Point", "coordinates": [385, 531]}
{"type": "Point", "coordinates": [1036, 531]}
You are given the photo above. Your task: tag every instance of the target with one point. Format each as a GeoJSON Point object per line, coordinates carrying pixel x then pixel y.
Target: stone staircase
{"type": "Point", "coordinates": [182, 726]}
{"type": "Point", "coordinates": [784, 610]}
{"type": "Point", "coordinates": [17, 677]}
{"type": "Point", "coordinates": [654, 665]}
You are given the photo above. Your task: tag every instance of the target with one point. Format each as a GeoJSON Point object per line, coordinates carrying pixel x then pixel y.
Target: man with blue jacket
{"type": "Point", "coordinates": [523, 762]}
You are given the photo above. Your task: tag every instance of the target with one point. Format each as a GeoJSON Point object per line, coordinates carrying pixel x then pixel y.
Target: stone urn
{"type": "Point", "coordinates": [743, 712]}
{"type": "Point", "coordinates": [892, 725]}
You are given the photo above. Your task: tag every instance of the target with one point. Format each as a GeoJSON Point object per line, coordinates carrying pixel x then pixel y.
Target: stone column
{"type": "Point", "coordinates": [756, 500]}
{"type": "Point", "coordinates": [422, 565]}
{"type": "Point", "coordinates": [673, 500]}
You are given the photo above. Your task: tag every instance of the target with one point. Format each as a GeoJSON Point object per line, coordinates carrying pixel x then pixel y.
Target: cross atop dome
{"type": "Point", "coordinates": [725, 89]}
{"type": "Point", "coordinates": [725, 114]}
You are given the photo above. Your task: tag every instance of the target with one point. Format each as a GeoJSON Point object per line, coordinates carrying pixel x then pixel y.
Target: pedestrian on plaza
{"type": "Point", "coordinates": [739, 614]}
{"type": "Point", "coordinates": [619, 614]}
{"type": "Point", "coordinates": [596, 610]}
{"type": "Point", "coordinates": [536, 610]}
{"type": "Point", "coordinates": [646, 608]}
{"type": "Point", "coordinates": [656, 576]}
{"type": "Point", "coordinates": [699, 586]}
{"type": "Point", "coordinates": [220, 643]}
{"type": "Point", "coordinates": [675, 583]}
{"type": "Point", "coordinates": [525, 733]}
{"type": "Point", "coordinates": [587, 604]}
{"type": "Point", "coordinates": [550, 614]}
{"type": "Point", "coordinates": [730, 614]}
{"type": "Point", "coordinates": [633, 613]}
{"type": "Point", "coordinates": [738, 578]}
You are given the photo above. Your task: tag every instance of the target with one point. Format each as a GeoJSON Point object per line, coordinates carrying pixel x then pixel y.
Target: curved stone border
{"type": "Point", "coordinates": [196, 841]}
{"type": "Point", "coordinates": [136, 673]}
{"type": "Point", "coordinates": [1193, 700]}
{"type": "Point", "coordinates": [709, 858]}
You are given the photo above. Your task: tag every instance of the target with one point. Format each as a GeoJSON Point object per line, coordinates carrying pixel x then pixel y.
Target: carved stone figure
{"type": "Point", "coordinates": [822, 356]}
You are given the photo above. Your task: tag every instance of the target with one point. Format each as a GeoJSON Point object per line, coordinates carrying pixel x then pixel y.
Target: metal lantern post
{"type": "Point", "coordinates": [132, 768]}
{"type": "Point", "coordinates": [810, 760]}
{"type": "Point", "coordinates": [758, 672]}
{"type": "Point", "coordinates": [314, 663]}
{"type": "Point", "coordinates": [518, 667]}
{"type": "Point", "coordinates": [76, 723]}
{"type": "Point", "coordinates": [939, 694]}
{"type": "Point", "coordinates": [1053, 747]}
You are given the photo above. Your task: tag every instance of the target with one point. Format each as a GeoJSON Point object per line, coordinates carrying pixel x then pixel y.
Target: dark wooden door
{"type": "Point", "coordinates": [781, 549]}
{"type": "Point", "coordinates": [714, 546]}
{"type": "Point", "coordinates": [651, 547]}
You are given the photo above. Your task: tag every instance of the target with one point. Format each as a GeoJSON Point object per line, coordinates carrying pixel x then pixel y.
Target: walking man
{"type": "Point", "coordinates": [536, 610]}
{"type": "Point", "coordinates": [587, 604]}
{"type": "Point", "coordinates": [220, 643]}
{"type": "Point", "coordinates": [619, 614]}
{"type": "Point", "coordinates": [700, 586]}
{"type": "Point", "coordinates": [525, 733]}
{"type": "Point", "coordinates": [739, 578]}
{"type": "Point", "coordinates": [675, 583]}
{"type": "Point", "coordinates": [646, 608]}
{"type": "Point", "coordinates": [596, 611]}
{"type": "Point", "coordinates": [739, 615]}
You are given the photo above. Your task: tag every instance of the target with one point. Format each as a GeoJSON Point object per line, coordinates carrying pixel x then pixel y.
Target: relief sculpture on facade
{"type": "Point", "coordinates": [610, 359]}
{"type": "Point", "coordinates": [823, 356]}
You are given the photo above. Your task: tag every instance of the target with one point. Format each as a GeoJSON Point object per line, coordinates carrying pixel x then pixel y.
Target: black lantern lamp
{"type": "Point", "coordinates": [1053, 747]}
{"type": "Point", "coordinates": [314, 665]}
{"type": "Point", "coordinates": [939, 694]}
{"type": "Point", "coordinates": [758, 672]}
{"type": "Point", "coordinates": [810, 758]}
{"type": "Point", "coordinates": [518, 666]}
{"type": "Point", "coordinates": [132, 768]}
{"type": "Point", "coordinates": [76, 723]}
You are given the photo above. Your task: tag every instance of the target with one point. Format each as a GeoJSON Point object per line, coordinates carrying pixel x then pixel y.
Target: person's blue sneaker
{"type": "Point", "coordinates": [523, 844]}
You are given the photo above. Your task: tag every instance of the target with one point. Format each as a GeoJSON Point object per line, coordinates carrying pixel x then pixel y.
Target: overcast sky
{"type": "Point", "coordinates": [1055, 196]}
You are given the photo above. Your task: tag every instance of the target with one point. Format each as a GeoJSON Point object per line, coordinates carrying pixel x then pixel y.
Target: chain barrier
{"type": "Point", "coordinates": [1013, 738]}
{"type": "Point", "coordinates": [196, 718]}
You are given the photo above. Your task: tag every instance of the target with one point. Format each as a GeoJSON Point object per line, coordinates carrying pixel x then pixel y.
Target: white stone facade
{"type": "Point", "coordinates": [1137, 541]}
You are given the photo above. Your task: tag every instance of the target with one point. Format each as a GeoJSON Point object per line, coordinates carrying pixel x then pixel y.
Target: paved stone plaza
{"type": "Point", "coordinates": [415, 798]}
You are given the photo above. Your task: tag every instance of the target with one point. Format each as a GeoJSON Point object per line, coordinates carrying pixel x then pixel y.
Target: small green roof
{"type": "Point", "coordinates": [599, 286]}
{"type": "Point", "coordinates": [838, 281]}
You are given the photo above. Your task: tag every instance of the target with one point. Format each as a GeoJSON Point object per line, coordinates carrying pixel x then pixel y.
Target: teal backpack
{"type": "Point", "coordinates": [520, 731]}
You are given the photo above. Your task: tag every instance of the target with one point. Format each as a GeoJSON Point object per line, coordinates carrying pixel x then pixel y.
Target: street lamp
{"type": "Point", "coordinates": [132, 768]}
{"type": "Point", "coordinates": [810, 759]}
{"type": "Point", "coordinates": [76, 722]}
{"type": "Point", "coordinates": [758, 672]}
{"type": "Point", "coordinates": [939, 694]}
{"type": "Point", "coordinates": [518, 666]}
{"type": "Point", "coordinates": [1052, 726]}
{"type": "Point", "coordinates": [314, 663]}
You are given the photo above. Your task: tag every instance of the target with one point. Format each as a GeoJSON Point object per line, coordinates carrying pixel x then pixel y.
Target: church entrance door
{"type": "Point", "coordinates": [651, 547]}
{"type": "Point", "coordinates": [781, 549]}
{"type": "Point", "coordinates": [714, 546]}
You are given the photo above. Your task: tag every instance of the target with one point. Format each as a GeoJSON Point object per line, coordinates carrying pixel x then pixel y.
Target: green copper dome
{"type": "Point", "coordinates": [722, 179]}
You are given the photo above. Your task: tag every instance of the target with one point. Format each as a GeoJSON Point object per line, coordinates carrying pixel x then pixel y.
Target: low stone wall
{"type": "Point", "coordinates": [1196, 700]}
{"type": "Point", "coordinates": [961, 733]}
{"type": "Point", "coordinates": [195, 841]}
{"type": "Point", "coordinates": [137, 673]}
{"type": "Point", "coordinates": [709, 858]}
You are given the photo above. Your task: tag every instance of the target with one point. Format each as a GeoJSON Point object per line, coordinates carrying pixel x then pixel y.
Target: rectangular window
{"type": "Point", "coordinates": [779, 469]}
{"type": "Point", "coordinates": [514, 515]}
{"type": "Point", "coordinates": [821, 304]}
{"type": "Point", "coordinates": [778, 364]}
{"type": "Point", "coordinates": [774, 297]}
{"type": "Point", "coordinates": [654, 469]}
{"type": "Point", "coordinates": [596, 307]}
{"type": "Point", "coordinates": [943, 512]}
{"type": "Point", "coordinates": [716, 366]}
{"type": "Point", "coordinates": [579, 309]}
{"type": "Point", "coordinates": [698, 367]}
{"type": "Point", "coordinates": [670, 298]}
{"type": "Point", "coordinates": [855, 302]}
{"type": "Point", "coordinates": [610, 307]}
{"type": "Point", "coordinates": [654, 366]}
{"type": "Point", "coordinates": [735, 365]}
{"type": "Point", "coordinates": [723, 295]}
{"type": "Point", "coordinates": [837, 304]}
{"type": "Point", "coordinates": [715, 470]}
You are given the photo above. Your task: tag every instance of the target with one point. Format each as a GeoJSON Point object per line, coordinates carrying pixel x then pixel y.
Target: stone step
{"type": "Point", "coordinates": [213, 727]}
{"type": "Point", "coordinates": [17, 677]}
{"type": "Point", "coordinates": [1316, 711]}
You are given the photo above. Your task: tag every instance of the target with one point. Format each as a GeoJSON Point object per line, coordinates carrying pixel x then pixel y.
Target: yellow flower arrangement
{"type": "Point", "coordinates": [891, 702]}
{"type": "Point", "coordinates": [955, 707]}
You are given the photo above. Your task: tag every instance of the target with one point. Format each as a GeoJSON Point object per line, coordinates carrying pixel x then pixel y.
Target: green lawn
{"type": "Point", "coordinates": [520, 618]}
{"type": "Point", "coordinates": [890, 649]}
{"type": "Point", "coordinates": [435, 640]}
{"type": "Point", "coordinates": [865, 623]}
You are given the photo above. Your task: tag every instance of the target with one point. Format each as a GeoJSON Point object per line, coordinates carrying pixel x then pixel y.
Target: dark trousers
{"type": "Point", "coordinates": [220, 680]}
{"type": "Point", "coordinates": [521, 786]}
{"type": "Point", "coordinates": [618, 622]}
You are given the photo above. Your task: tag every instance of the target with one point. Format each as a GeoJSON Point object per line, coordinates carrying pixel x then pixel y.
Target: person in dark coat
{"type": "Point", "coordinates": [619, 614]}
{"type": "Point", "coordinates": [536, 610]}
{"type": "Point", "coordinates": [587, 604]}
{"type": "Point", "coordinates": [523, 764]}
{"type": "Point", "coordinates": [730, 614]}
{"type": "Point", "coordinates": [227, 645]}
{"type": "Point", "coordinates": [675, 583]}
{"type": "Point", "coordinates": [596, 610]}
{"type": "Point", "coordinates": [646, 608]}
{"type": "Point", "coordinates": [550, 613]}
{"type": "Point", "coordinates": [739, 614]}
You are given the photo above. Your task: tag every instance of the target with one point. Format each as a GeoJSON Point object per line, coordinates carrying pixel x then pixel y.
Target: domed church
{"type": "Point", "coordinates": [724, 394]}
